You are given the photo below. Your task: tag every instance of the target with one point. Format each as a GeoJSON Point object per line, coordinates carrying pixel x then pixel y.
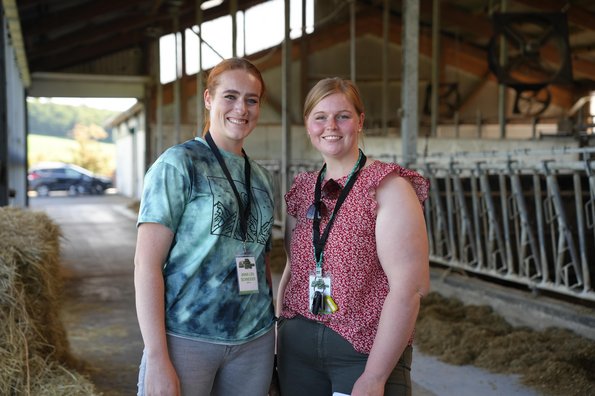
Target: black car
{"type": "Point", "coordinates": [44, 178]}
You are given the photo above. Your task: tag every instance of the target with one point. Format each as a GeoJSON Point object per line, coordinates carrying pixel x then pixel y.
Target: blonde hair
{"type": "Point", "coordinates": [329, 86]}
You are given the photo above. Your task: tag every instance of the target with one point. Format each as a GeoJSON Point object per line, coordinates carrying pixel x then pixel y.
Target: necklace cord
{"type": "Point", "coordinates": [244, 209]}
{"type": "Point", "coordinates": [319, 241]}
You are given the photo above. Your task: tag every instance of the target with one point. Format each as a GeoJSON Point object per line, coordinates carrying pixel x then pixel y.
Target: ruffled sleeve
{"type": "Point", "coordinates": [294, 197]}
{"type": "Point", "coordinates": [419, 183]}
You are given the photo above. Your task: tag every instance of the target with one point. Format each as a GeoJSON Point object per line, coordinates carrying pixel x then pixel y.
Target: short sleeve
{"type": "Point", "coordinates": [292, 196]}
{"type": "Point", "coordinates": [420, 184]}
{"type": "Point", "coordinates": [164, 195]}
{"type": "Point", "coordinates": [382, 169]}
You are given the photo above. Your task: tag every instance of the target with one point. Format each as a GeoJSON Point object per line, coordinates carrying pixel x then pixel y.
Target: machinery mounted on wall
{"type": "Point", "coordinates": [528, 52]}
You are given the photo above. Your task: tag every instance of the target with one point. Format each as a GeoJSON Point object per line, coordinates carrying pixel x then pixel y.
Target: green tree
{"type": "Point", "coordinates": [87, 152]}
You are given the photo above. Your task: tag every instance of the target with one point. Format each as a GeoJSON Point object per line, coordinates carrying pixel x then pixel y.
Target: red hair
{"type": "Point", "coordinates": [228, 65]}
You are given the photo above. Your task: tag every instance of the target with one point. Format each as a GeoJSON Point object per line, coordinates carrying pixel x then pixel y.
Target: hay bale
{"type": "Point", "coordinates": [34, 348]}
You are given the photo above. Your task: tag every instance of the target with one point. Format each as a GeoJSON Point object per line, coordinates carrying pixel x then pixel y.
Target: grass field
{"type": "Point", "coordinates": [48, 148]}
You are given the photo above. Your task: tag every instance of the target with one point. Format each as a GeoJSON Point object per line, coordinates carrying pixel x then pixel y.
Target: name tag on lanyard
{"type": "Point", "coordinates": [321, 302]}
{"type": "Point", "coordinates": [247, 274]}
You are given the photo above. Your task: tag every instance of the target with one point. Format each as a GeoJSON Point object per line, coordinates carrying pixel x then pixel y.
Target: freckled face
{"type": "Point", "coordinates": [334, 125]}
{"type": "Point", "coordinates": [234, 108]}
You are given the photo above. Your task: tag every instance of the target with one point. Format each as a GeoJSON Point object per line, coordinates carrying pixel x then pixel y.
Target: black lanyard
{"type": "Point", "coordinates": [244, 210]}
{"type": "Point", "coordinates": [317, 240]}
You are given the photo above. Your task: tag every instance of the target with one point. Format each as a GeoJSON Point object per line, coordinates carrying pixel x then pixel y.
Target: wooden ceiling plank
{"type": "Point", "coordinates": [115, 30]}
{"type": "Point", "coordinates": [125, 24]}
{"type": "Point", "coordinates": [576, 15]}
{"type": "Point", "coordinates": [76, 15]}
{"type": "Point", "coordinates": [90, 53]}
{"type": "Point", "coordinates": [452, 17]}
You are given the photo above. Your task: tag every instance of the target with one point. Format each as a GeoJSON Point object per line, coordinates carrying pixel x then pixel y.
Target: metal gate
{"type": "Point", "coordinates": [521, 216]}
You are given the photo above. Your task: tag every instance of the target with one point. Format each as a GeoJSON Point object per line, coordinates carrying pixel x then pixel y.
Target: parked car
{"type": "Point", "coordinates": [58, 176]}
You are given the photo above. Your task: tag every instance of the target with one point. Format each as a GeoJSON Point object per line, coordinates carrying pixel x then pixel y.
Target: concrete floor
{"type": "Point", "coordinates": [97, 251]}
{"type": "Point", "coordinates": [99, 313]}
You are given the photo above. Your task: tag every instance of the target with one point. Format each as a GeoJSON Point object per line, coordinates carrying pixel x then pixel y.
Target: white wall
{"type": "Point", "coordinates": [265, 141]}
{"type": "Point", "coordinates": [130, 139]}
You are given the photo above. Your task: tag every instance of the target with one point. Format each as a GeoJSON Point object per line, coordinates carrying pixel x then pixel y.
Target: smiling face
{"type": "Point", "coordinates": [234, 108]}
{"type": "Point", "coordinates": [334, 125]}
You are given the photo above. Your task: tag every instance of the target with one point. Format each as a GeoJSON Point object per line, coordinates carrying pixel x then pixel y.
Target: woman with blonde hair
{"type": "Point", "coordinates": [358, 261]}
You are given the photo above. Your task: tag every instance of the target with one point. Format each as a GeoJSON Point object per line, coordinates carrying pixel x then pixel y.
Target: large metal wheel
{"type": "Point", "coordinates": [530, 49]}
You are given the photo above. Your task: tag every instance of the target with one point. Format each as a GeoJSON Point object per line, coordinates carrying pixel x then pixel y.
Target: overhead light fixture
{"type": "Point", "coordinates": [210, 4]}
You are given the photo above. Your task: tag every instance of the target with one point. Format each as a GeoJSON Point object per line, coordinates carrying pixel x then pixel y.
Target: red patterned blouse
{"type": "Point", "coordinates": [358, 283]}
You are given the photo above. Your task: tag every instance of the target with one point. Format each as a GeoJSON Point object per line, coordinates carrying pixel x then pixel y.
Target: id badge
{"type": "Point", "coordinates": [320, 295]}
{"type": "Point", "coordinates": [247, 275]}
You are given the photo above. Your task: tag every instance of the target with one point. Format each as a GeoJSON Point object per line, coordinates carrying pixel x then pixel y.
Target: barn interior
{"type": "Point", "coordinates": [492, 100]}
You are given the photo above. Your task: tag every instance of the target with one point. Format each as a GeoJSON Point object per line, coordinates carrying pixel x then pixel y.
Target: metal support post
{"type": "Point", "coordinates": [4, 195]}
{"type": "Point", "coordinates": [352, 46]}
{"type": "Point", "coordinates": [286, 109]}
{"type": "Point", "coordinates": [435, 66]}
{"type": "Point", "coordinates": [200, 112]}
{"type": "Point", "coordinates": [410, 86]}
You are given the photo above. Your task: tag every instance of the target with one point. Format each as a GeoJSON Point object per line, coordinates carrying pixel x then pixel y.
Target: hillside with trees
{"type": "Point", "coordinates": [72, 134]}
{"type": "Point", "coordinates": [51, 119]}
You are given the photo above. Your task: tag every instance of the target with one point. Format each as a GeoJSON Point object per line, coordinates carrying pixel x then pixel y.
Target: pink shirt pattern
{"type": "Point", "coordinates": [359, 285]}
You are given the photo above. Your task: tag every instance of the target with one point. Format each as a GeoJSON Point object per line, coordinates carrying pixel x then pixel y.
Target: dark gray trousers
{"type": "Point", "coordinates": [314, 360]}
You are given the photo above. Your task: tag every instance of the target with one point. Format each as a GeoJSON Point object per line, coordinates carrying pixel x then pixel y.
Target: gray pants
{"type": "Point", "coordinates": [314, 360]}
{"type": "Point", "coordinates": [207, 369]}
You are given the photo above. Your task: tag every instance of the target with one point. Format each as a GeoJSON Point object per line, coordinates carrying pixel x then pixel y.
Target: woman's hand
{"type": "Point", "coordinates": [161, 378]}
{"type": "Point", "coordinates": [368, 386]}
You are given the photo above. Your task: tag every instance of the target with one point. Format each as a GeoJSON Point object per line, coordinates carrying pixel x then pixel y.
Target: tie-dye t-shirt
{"type": "Point", "coordinates": [187, 191]}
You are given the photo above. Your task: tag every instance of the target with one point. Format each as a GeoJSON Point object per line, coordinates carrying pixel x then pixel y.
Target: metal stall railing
{"type": "Point", "coordinates": [274, 167]}
{"type": "Point", "coordinates": [523, 216]}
